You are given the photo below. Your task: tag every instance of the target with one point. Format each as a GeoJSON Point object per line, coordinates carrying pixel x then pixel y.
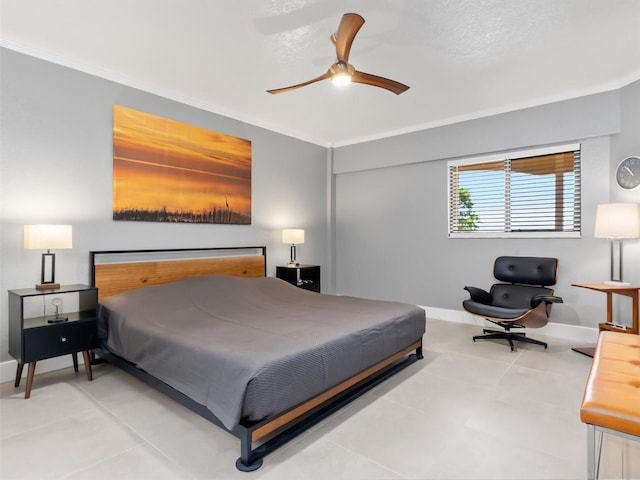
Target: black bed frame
{"type": "Point", "coordinates": [252, 458]}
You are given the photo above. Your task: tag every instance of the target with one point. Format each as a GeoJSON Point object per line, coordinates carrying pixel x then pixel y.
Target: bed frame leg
{"type": "Point", "coordinates": [245, 463]}
{"type": "Point", "coordinates": [240, 465]}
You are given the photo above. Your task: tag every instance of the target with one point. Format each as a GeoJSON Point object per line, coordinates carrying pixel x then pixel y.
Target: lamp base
{"type": "Point", "coordinates": [293, 263]}
{"type": "Point", "coordinates": [58, 320]}
{"type": "Point", "coordinates": [616, 283]}
{"type": "Point", "coordinates": [47, 286]}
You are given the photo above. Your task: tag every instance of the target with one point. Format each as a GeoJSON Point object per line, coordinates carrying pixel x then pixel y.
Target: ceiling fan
{"type": "Point", "coordinates": [342, 72]}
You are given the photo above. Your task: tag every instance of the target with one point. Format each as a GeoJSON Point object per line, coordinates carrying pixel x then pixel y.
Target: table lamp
{"type": "Point", "coordinates": [293, 236]}
{"type": "Point", "coordinates": [47, 237]}
{"type": "Point", "coordinates": [617, 221]}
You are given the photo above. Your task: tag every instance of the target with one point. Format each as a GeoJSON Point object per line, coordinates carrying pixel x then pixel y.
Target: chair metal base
{"type": "Point", "coordinates": [508, 335]}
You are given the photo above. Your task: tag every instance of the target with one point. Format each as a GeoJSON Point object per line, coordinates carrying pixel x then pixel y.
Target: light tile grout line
{"type": "Point", "coordinates": [361, 455]}
{"type": "Point", "coordinates": [42, 425]}
{"type": "Point", "coordinates": [120, 421]}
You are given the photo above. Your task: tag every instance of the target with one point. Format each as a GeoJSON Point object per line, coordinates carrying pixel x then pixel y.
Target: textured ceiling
{"type": "Point", "coordinates": [462, 59]}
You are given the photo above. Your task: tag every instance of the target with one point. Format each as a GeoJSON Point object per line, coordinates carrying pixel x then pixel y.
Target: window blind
{"type": "Point", "coordinates": [534, 193]}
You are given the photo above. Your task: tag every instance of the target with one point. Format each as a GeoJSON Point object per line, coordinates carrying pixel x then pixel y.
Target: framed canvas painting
{"type": "Point", "coordinates": [168, 171]}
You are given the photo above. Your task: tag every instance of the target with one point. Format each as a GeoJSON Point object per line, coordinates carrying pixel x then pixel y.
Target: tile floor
{"type": "Point", "coordinates": [467, 411]}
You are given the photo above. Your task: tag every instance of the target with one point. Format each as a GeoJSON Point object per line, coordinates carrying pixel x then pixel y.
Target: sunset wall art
{"type": "Point", "coordinates": [168, 171]}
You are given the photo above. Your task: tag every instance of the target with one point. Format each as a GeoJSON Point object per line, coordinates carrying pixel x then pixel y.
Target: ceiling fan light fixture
{"type": "Point", "coordinates": [341, 79]}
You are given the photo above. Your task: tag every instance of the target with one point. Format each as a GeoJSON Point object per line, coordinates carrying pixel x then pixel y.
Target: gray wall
{"type": "Point", "coordinates": [623, 145]}
{"type": "Point", "coordinates": [627, 143]}
{"type": "Point", "coordinates": [391, 206]}
{"type": "Point", "coordinates": [547, 124]}
{"type": "Point", "coordinates": [56, 155]}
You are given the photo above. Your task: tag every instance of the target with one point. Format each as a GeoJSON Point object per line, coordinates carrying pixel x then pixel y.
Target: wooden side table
{"type": "Point", "coordinates": [611, 290]}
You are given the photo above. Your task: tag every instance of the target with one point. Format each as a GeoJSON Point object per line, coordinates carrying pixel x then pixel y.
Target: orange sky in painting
{"type": "Point", "coordinates": [160, 163]}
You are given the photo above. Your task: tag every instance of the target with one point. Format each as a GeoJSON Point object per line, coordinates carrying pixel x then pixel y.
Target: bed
{"type": "Point", "coordinates": [253, 354]}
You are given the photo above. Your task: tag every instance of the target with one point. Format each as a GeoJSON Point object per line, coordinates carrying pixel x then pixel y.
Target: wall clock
{"type": "Point", "coordinates": [628, 173]}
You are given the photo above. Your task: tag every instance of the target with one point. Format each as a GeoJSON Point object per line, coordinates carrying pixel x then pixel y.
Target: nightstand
{"type": "Point", "coordinates": [303, 276]}
{"type": "Point", "coordinates": [45, 336]}
{"type": "Point", "coordinates": [624, 290]}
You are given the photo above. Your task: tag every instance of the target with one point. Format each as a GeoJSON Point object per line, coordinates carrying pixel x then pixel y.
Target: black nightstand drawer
{"type": "Point", "coordinates": [306, 277]}
{"type": "Point", "coordinates": [59, 339]}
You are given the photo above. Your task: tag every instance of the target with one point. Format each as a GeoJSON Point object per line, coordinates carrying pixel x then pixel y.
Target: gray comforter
{"type": "Point", "coordinates": [249, 348]}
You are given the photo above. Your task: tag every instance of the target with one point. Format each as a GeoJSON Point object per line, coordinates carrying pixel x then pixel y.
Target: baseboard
{"type": "Point", "coordinates": [8, 368]}
{"type": "Point", "coordinates": [575, 333]}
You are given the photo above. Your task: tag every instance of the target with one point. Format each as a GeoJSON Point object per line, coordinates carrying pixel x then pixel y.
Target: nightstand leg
{"type": "Point", "coordinates": [87, 365]}
{"type": "Point", "coordinates": [30, 375]}
{"type": "Point", "coordinates": [19, 373]}
{"type": "Point", "coordinates": [74, 356]}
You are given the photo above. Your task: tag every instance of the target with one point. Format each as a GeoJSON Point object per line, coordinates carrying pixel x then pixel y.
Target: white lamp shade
{"type": "Point", "coordinates": [293, 236]}
{"type": "Point", "coordinates": [617, 220]}
{"type": "Point", "coordinates": [46, 237]}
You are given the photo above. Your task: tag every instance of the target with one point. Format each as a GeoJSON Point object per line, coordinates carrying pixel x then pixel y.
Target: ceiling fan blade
{"type": "Point", "coordinates": [325, 75]}
{"type": "Point", "coordinates": [376, 81]}
{"type": "Point", "coordinates": [342, 69]}
{"type": "Point", "coordinates": [349, 26]}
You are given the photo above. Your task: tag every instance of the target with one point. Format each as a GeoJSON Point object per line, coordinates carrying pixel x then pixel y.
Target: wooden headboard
{"type": "Point", "coordinates": [117, 271]}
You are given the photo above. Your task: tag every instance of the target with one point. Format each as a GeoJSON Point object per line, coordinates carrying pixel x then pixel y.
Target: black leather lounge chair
{"type": "Point", "coordinates": [522, 300]}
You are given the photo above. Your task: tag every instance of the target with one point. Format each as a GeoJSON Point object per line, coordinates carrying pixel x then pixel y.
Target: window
{"type": "Point", "coordinates": [533, 193]}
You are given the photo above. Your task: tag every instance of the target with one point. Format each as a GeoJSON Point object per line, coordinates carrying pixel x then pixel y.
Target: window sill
{"type": "Point", "coordinates": [516, 235]}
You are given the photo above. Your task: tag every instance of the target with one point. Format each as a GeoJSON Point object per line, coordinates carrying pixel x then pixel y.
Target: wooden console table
{"type": "Point", "coordinates": [625, 290]}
